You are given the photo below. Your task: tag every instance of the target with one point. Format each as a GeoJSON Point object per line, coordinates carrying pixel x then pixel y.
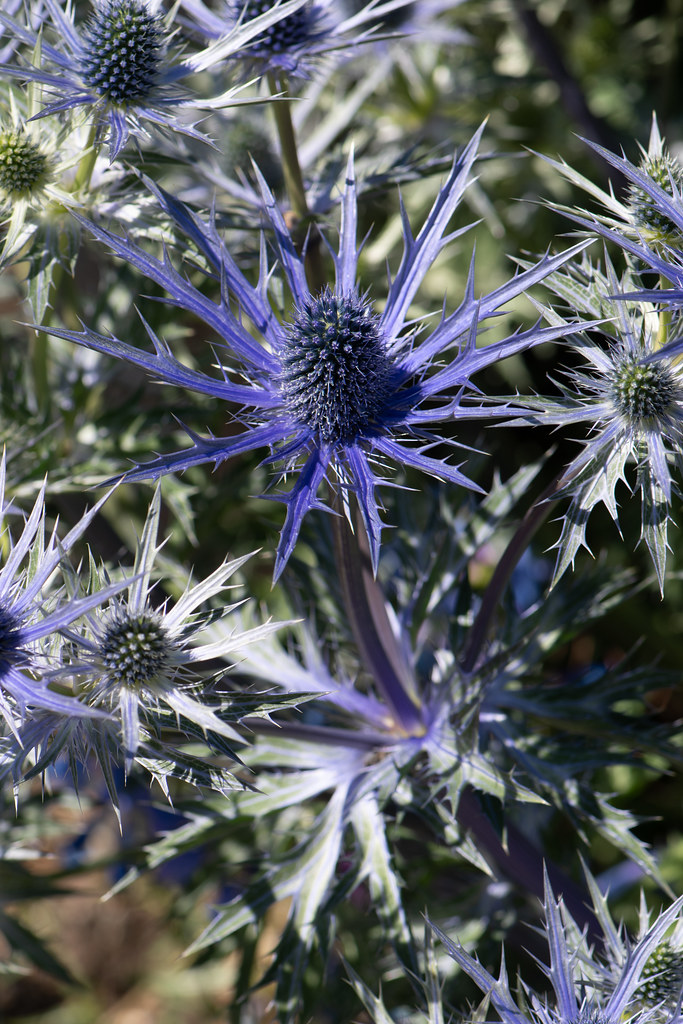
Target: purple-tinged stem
{"type": "Point", "coordinates": [377, 645]}
{"type": "Point", "coordinates": [323, 734]}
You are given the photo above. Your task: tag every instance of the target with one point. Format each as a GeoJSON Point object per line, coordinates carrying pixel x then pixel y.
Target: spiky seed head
{"type": "Point", "coordinates": [336, 375]}
{"type": "Point", "coordinates": [123, 42]}
{"type": "Point", "coordinates": [590, 1015]}
{"type": "Point", "coordinates": [11, 640]}
{"type": "Point", "coordinates": [23, 165]}
{"type": "Point", "coordinates": [665, 171]}
{"type": "Point", "coordinates": [643, 392]}
{"type": "Point", "coordinates": [136, 649]}
{"type": "Point", "coordinates": [662, 976]}
{"type": "Point", "coordinates": [289, 33]}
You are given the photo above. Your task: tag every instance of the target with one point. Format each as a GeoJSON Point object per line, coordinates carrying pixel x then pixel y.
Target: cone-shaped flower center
{"type": "Point", "coordinates": [122, 46]}
{"type": "Point", "coordinates": [11, 640]}
{"type": "Point", "coordinates": [336, 374]}
{"type": "Point", "coordinates": [642, 392]}
{"type": "Point", "coordinates": [136, 649]}
{"type": "Point", "coordinates": [665, 171]}
{"type": "Point", "coordinates": [23, 165]}
{"type": "Point", "coordinates": [662, 975]}
{"type": "Point", "coordinates": [287, 34]}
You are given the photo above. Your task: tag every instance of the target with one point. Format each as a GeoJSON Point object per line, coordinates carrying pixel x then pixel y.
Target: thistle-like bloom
{"type": "Point", "coordinates": [297, 40]}
{"type": "Point", "coordinates": [661, 986]}
{"type": "Point", "coordinates": [32, 616]}
{"type": "Point", "coordinates": [648, 226]}
{"type": "Point", "coordinates": [645, 214]}
{"type": "Point", "coordinates": [119, 66]}
{"type": "Point", "coordinates": [631, 396]}
{"type": "Point", "coordinates": [338, 388]}
{"type": "Point", "coordinates": [143, 663]}
{"type": "Point", "coordinates": [576, 999]}
{"type": "Point", "coordinates": [35, 165]}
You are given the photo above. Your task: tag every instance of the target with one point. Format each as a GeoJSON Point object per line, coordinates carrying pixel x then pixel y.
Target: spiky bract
{"type": "Point", "coordinates": [383, 382]}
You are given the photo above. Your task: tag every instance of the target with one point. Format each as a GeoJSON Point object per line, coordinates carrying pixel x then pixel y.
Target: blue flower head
{"type": "Point", "coordinates": [23, 164]}
{"type": "Point", "coordinates": [144, 664]}
{"type": "Point", "coordinates": [297, 40]}
{"type": "Point", "coordinates": [122, 51]}
{"type": "Point", "coordinates": [576, 974]}
{"type": "Point", "coordinates": [337, 389]}
{"type": "Point", "coordinates": [630, 396]}
{"type": "Point", "coordinates": [119, 65]}
{"type": "Point", "coordinates": [647, 221]}
{"type": "Point", "coordinates": [140, 674]}
{"type": "Point", "coordinates": [36, 174]}
{"type": "Point", "coordinates": [282, 44]}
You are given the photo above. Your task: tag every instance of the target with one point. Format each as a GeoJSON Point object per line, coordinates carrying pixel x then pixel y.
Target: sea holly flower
{"type": "Point", "coordinates": [647, 225]}
{"type": "Point", "coordinates": [36, 175]}
{"type": "Point", "coordinates": [631, 396]}
{"type": "Point", "coordinates": [144, 674]}
{"type": "Point", "coordinates": [144, 662]}
{"type": "Point", "coordinates": [573, 999]}
{"type": "Point", "coordinates": [661, 985]}
{"type": "Point", "coordinates": [658, 245]}
{"type": "Point", "coordinates": [296, 41]}
{"type": "Point", "coordinates": [121, 66]}
{"type": "Point", "coordinates": [338, 388]}
{"type": "Point", "coordinates": [647, 213]}
{"type": "Point", "coordinates": [32, 614]}
{"type": "Point", "coordinates": [279, 47]}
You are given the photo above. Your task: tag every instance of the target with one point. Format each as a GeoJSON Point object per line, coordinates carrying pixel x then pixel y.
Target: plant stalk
{"type": "Point", "coordinates": [306, 233]}
{"type": "Point", "coordinates": [367, 615]}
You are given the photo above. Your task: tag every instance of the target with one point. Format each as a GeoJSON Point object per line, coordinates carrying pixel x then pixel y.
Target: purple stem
{"type": "Point", "coordinates": [367, 615]}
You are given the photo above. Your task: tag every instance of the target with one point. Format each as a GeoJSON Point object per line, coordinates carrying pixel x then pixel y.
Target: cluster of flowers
{"type": "Point", "coordinates": [345, 389]}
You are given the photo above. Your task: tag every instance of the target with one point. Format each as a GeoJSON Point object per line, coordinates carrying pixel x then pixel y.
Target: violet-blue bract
{"type": "Point", "coordinates": [29, 616]}
{"type": "Point", "coordinates": [296, 42]}
{"type": "Point", "coordinates": [339, 390]}
{"type": "Point", "coordinates": [574, 998]}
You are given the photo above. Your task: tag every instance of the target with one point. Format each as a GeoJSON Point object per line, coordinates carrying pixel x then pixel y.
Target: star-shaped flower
{"type": "Point", "coordinates": [337, 389]}
{"type": "Point", "coordinates": [297, 40]}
